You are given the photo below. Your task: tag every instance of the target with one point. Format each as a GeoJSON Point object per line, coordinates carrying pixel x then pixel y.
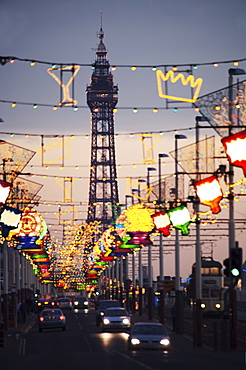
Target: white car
{"type": "Point", "coordinates": [116, 318]}
{"type": "Point", "coordinates": [148, 335]}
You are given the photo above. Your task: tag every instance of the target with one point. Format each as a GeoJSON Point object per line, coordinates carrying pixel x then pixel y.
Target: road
{"type": "Point", "coordinates": [83, 346]}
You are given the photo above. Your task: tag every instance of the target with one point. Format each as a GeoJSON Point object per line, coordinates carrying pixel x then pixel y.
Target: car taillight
{"type": "Point", "coordinates": [41, 318]}
{"type": "Point", "coordinates": [53, 303]}
{"type": "Point", "coordinates": [39, 304]}
{"type": "Point", "coordinates": [62, 317]}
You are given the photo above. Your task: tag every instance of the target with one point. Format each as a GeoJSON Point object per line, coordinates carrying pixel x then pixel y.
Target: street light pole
{"type": "Point", "coordinates": [231, 226]}
{"type": "Point", "coordinates": [160, 155]}
{"type": "Point", "coordinates": [150, 288]}
{"type": "Point", "coordinates": [178, 292]}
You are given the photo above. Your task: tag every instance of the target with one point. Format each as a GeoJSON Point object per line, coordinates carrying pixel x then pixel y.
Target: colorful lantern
{"type": "Point", "coordinates": [235, 148]}
{"type": "Point", "coordinates": [138, 238]}
{"type": "Point", "coordinates": [4, 190]}
{"type": "Point", "coordinates": [162, 222]}
{"type": "Point", "coordinates": [209, 193]}
{"type": "Point", "coordinates": [180, 218]}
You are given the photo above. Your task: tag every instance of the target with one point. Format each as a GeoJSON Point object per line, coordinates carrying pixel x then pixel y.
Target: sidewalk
{"type": "Point", "coordinates": [12, 336]}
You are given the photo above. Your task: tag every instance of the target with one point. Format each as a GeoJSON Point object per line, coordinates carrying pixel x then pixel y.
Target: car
{"type": "Point", "coordinates": [45, 303]}
{"type": "Point", "coordinates": [65, 303]}
{"type": "Point", "coordinates": [148, 335]}
{"type": "Point", "coordinates": [81, 302]}
{"type": "Point", "coordinates": [116, 318]}
{"type": "Point", "coordinates": [106, 303]}
{"type": "Point", "coordinates": [51, 319]}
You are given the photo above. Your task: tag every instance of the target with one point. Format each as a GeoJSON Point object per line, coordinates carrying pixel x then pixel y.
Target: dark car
{"type": "Point", "coordinates": [45, 303]}
{"type": "Point", "coordinates": [107, 303]}
{"type": "Point", "coordinates": [52, 319]}
{"type": "Point", "coordinates": [81, 302]}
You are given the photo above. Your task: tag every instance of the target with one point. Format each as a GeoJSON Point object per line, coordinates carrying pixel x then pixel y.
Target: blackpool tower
{"type": "Point", "coordinates": [102, 97]}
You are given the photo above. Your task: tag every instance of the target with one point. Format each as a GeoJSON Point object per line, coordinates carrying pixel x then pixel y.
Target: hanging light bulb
{"type": "Point", "coordinates": [235, 148]}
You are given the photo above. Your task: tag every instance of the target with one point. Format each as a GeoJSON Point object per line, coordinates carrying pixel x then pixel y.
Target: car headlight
{"type": "Point", "coordinates": [218, 305]}
{"type": "Point", "coordinates": [135, 341]}
{"type": "Point", "coordinates": [106, 321]}
{"type": "Point", "coordinates": [76, 303]}
{"type": "Point", "coordinates": [86, 303]}
{"type": "Point", "coordinates": [203, 305]}
{"type": "Point", "coordinates": [102, 313]}
{"type": "Point", "coordinates": [125, 321]}
{"type": "Point", "coordinates": [165, 342]}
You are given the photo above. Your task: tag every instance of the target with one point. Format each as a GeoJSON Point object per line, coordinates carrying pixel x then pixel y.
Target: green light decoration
{"type": "Point", "coordinates": [180, 218]}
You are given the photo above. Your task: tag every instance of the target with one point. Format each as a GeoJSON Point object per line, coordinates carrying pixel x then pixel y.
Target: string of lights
{"type": "Point", "coordinates": [133, 67]}
{"type": "Point", "coordinates": [77, 107]}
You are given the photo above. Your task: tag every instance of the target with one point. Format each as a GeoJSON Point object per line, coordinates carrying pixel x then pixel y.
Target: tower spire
{"type": "Point", "coordinates": [101, 33]}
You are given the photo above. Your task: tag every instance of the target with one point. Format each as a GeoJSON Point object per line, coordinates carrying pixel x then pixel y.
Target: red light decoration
{"type": "Point", "coordinates": [4, 190]}
{"type": "Point", "coordinates": [162, 222]}
{"type": "Point", "coordinates": [235, 148]}
{"type": "Point", "coordinates": [209, 193]}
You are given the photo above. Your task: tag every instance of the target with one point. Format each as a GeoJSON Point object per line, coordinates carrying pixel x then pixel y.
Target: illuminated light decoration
{"type": "Point", "coordinates": [148, 149]}
{"type": "Point", "coordinates": [125, 243]}
{"type": "Point", "coordinates": [138, 218]}
{"type": "Point", "coordinates": [9, 219]}
{"type": "Point", "coordinates": [135, 110]}
{"type": "Point", "coordinates": [216, 64]}
{"type": "Point", "coordinates": [139, 224]}
{"type": "Point", "coordinates": [235, 63]}
{"type": "Point", "coordinates": [26, 243]}
{"type": "Point", "coordinates": [180, 218]}
{"type": "Point", "coordinates": [4, 190]}
{"type": "Point", "coordinates": [13, 104]}
{"type": "Point", "coordinates": [67, 100]}
{"type": "Point", "coordinates": [35, 106]}
{"type": "Point", "coordinates": [55, 107]}
{"type": "Point", "coordinates": [133, 68]}
{"type": "Point", "coordinates": [96, 110]}
{"type": "Point", "coordinates": [195, 67]}
{"type": "Point", "coordinates": [162, 222]}
{"type": "Point", "coordinates": [32, 64]}
{"type": "Point", "coordinates": [31, 222]}
{"type": "Point", "coordinates": [139, 238]}
{"type": "Point", "coordinates": [113, 68]}
{"type": "Point", "coordinates": [175, 110]}
{"type": "Point", "coordinates": [196, 84]}
{"type": "Point", "coordinates": [209, 193]}
{"type": "Point", "coordinates": [155, 110]}
{"type": "Point", "coordinates": [75, 109]}
{"type": "Point", "coordinates": [235, 148]}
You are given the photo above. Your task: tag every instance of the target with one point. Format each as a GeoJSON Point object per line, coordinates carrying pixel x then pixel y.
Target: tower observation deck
{"type": "Point", "coordinates": [102, 97]}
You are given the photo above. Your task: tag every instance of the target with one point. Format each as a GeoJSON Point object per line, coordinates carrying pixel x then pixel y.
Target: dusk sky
{"type": "Point", "coordinates": [143, 33]}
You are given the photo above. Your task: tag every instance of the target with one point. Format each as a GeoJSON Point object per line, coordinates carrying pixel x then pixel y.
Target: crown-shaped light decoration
{"type": "Point", "coordinates": [209, 193]}
{"type": "Point", "coordinates": [235, 148]}
{"type": "Point", "coordinates": [9, 219]}
{"type": "Point", "coordinates": [180, 218]}
{"type": "Point", "coordinates": [196, 84]}
{"type": "Point", "coordinates": [162, 222]}
{"type": "Point", "coordinates": [4, 190]}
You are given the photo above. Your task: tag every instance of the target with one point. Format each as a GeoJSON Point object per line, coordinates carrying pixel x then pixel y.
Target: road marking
{"type": "Point", "coordinates": [133, 360]}
{"type": "Point", "coordinates": [22, 347]}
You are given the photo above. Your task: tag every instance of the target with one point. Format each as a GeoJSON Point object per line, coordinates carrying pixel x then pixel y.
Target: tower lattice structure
{"type": "Point", "coordinates": [102, 97]}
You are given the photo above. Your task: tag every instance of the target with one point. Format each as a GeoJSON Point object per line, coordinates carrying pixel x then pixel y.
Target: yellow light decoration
{"type": "Point", "coordinates": [67, 100]}
{"type": "Point", "coordinates": [138, 218]}
{"type": "Point", "coordinates": [185, 81]}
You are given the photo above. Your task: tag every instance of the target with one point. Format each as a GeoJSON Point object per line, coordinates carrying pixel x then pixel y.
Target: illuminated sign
{"type": "Point", "coordinates": [196, 84]}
